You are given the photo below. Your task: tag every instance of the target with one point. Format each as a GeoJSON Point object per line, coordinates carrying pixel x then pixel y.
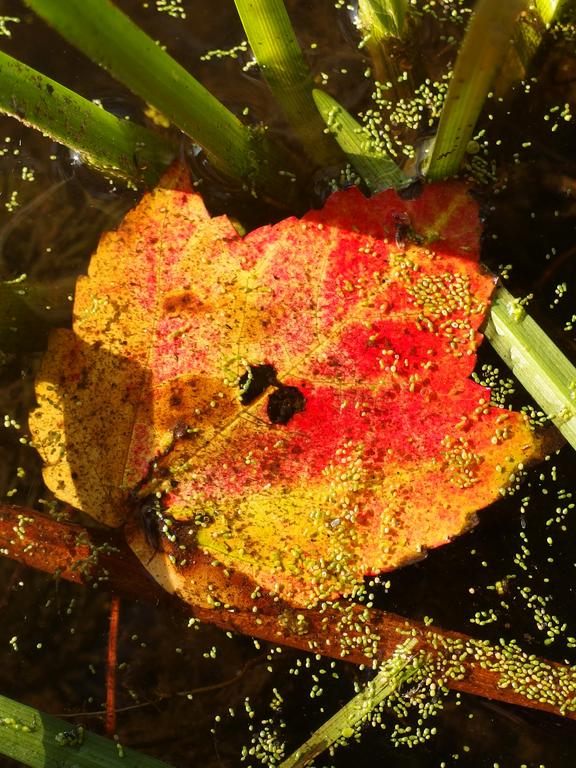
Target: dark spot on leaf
{"type": "Point", "coordinates": [284, 403]}
{"type": "Point", "coordinates": [175, 400]}
{"type": "Point", "coordinates": [180, 431]}
{"type": "Point", "coordinates": [255, 381]}
{"type": "Point", "coordinates": [402, 229]}
{"type": "Point", "coordinates": [178, 302]}
{"type": "Point", "coordinates": [404, 232]}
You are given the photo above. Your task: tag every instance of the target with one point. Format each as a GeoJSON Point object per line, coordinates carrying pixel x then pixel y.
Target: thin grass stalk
{"type": "Point", "coordinates": [548, 10]}
{"type": "Point", "coordinates": [107, 36]}
{"type": "Point", "coordinates": [377, 170]}
{"type": "Point", "coordinates": [38, 740]}
{"type": "Point", "coordinates": [112, 146]}
{"type": "Point", "coordinates": [383, 24]}
{"type": "Point", "coordinates": [528, 35]}
{"type": "Point", "coordinates": [486, 43]}
{"type": "Point", "coordinates": [542, 369]}
{"type": "Point", "coordinates": [275, 48]}
{"type": "Point", "coordinates": [396, 671]}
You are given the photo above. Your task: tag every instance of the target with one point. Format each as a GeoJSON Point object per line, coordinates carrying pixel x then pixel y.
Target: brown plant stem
{"type": "Point", "coordinates": [111, 665]}
{"type": "Point", "coordinates": [101, 558]}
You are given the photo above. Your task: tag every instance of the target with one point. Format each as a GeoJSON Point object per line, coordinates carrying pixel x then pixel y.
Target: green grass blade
{"type": "Point", "coordinates": [38, 740]}
{"type": "Point", "coordinates": [483, 49]}
{"type": "Point", "coordinates": [276, 50]}
{"type": "Point", "coordinates": [393, 673]}
{"type": "Point", "coordinates": [546, 374]}
{"type": "Point", "coordinates": [382, 18]}
{"type": "Point", "coordinates": [549, 9]}
{"type": "Point", "coordinates": [106, 35]}
{"type": "Point", "coordinates": [382, 22]}
{"type": "Point", "coordinates": [528, 35]}
{"type": "Point", "coordinates": [377, 170]}
{"type": "Point", "coordinates": [115, 147]}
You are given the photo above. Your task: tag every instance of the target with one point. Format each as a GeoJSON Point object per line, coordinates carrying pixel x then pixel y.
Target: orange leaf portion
{"type": "Point", "coordinates": [295, 403]}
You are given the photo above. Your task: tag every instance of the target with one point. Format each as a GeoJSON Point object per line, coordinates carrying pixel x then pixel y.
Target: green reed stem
{"type": "Point", "coordinates": [275, 48]}
{"type": "Point", "coordinates": [528, 35]}
{"type": "Point", "coordinates": [549, 9]}
{"type": "Point", "coordinates": [107, 36]}
{"type": "Point", "coordinates": [483, 49]}
{"type": "Point", "coordinates": [376, 169]}
{"type": "Point", "coordinates": [113, 146]}
{"type": "Point", "coordinates": [38, 740]}
{"type": "Point", "coordinates": [383, 18]}
{"type": "Point", "coordinates": [383, 24]}
{"type": "Point", "coordinates": [346, 722]}
{"type": "Point", "coordinates": [546, 374]}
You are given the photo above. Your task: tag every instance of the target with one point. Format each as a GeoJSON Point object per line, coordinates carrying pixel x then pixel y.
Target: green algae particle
{"type": "Point", "coordinates": [19, 725]}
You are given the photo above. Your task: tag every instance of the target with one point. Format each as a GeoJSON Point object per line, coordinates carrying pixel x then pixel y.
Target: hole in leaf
{"type": "Point", "coordinates": [255, 380]}
{"type": "Point", "coordinates": [284, 403]}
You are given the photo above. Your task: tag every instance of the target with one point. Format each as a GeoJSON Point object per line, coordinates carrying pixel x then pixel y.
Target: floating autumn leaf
{"type": "Point", "coordinates": [293, 405]}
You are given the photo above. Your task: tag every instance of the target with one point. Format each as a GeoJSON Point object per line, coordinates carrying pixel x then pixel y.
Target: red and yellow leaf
{"type": "Point", "coordinates": [294, 403]}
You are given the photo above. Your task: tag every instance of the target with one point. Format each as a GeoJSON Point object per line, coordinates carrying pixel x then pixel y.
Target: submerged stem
{"type": "Point", "coordinates": [383, 24]}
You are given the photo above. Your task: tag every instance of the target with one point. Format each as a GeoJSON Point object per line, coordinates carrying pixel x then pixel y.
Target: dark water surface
{"type": "Point", "coordinates": [53, 635]}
